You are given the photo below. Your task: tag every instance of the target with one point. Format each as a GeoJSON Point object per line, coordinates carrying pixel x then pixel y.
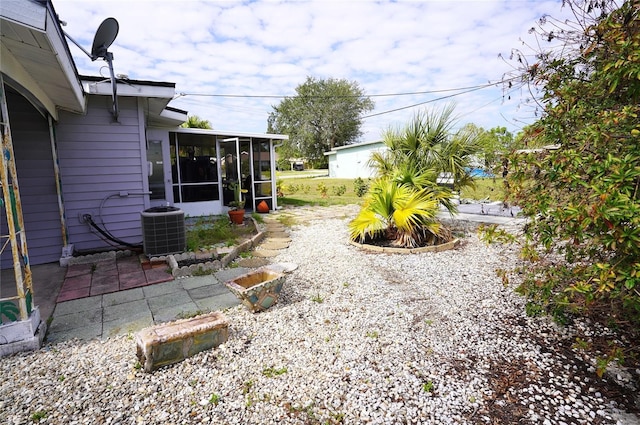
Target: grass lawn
{"type": "Point", "coordinates": [209, 231]}
{"type": "Point", "coordinates": [487, 188]}
{"type": "Point", "coordinates": [321, 191]}
{"type": "Point", "coordinates": [301, 174]}
{"type": "Point", "coordinates": [309, 190]}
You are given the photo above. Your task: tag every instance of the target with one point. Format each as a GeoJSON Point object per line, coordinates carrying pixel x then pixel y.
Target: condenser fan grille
{"type": "Point", "coordinates": [163, 231]}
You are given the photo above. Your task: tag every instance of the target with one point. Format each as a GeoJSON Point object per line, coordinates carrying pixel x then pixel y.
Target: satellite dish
{"type": "Point", "coordinates": [104, 38]}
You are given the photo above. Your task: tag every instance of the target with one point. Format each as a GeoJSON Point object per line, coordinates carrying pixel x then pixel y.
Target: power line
{"type": "Point", "coordinates": [264, 96]}
{"type": "Point", "coordinates": [426, 101]}
{"type": "Point", "coordinates": [461, 91]}
{"type": "Point", "coordinates": [489, 103]}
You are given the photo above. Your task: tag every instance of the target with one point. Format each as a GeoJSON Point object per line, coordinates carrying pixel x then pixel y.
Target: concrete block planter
{"type": "Point", "coordinates": [173, 342]}
{"type": "Point", "coordinates": [259, 289]}
{"type": "Point", "coordinates": [220, 257]}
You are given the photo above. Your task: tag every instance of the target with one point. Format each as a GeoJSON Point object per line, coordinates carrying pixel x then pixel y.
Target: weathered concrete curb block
{"type": "Point", "coordinates": [173, 342]}
{"type": "Point", "coordinates": [231, 255]}
{"type": "Point", "coordinates": [255, 241]}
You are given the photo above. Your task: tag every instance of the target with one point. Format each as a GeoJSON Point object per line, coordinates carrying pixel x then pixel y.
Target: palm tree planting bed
{"type": "Point", "coordinates": [386, 246]}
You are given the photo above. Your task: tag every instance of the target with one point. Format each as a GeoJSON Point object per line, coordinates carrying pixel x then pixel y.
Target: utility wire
{"type": "Point", "coordinates": [465, 90]}
{"type": "Point", "coordinates": [471, 88]}
{"type": "Point", "coordinates": [489, 103]}
{"type": "Point", "coordinates": [425, 102]}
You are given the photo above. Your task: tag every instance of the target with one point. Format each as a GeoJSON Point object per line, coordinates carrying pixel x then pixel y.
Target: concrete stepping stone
{"type": "Point", "coordinates": [273, 224]}
{"type": "Point", "coordinates": [265, 253]}
{"type": "Point", "coordinates": [253, 263]}
{"type": "Point", "coordinates": [274, 245]}
{"type": "Point", "coordinates": [277, 239]}
{"type": "Point", "coordinates": [278, 235]}
{"type": "Point", "coordinates": [275, 230]}
{"type": "Point", "coordinates": [271, 219]}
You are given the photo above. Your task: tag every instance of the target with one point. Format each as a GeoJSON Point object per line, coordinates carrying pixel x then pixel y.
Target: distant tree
{"type": "Point", "coordinates": [322, 115]}
{"type": "Point", "coordinates": [195, 121]}
{"type": "Point", "coordinates": [496, 143]}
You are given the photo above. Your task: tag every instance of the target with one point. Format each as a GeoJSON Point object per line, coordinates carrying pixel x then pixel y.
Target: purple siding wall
{"type": "Point", "coordinates": [98, 160]}
{"type": "Point", "coordinates": [34, 165]}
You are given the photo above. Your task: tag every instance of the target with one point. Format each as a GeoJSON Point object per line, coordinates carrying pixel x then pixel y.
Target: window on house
{"type": "Point", "coordinates": [194, 168]}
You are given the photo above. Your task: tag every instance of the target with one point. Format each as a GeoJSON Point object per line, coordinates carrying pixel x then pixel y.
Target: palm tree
{"type": "Point", "coordinates": [194, 121]}
{"type": "Point", "coordinates": [403, 201]}
{"type": "Point", "coordinates": [427, 144]}
{"type": "Point", "coordinates": [402, 213]}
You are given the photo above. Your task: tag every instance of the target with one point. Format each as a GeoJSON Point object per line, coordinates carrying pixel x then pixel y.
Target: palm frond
{"type": "Point", "coordinates": [367, 224]}
{"type": "Point", "coordinates": [415, 218]}
{"type": "Point", "coordinates": [382, 162]}
{"type": "Point", "coordinates": [406, 174]}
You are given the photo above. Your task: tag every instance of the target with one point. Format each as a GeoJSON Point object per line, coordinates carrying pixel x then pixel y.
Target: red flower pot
{"type": "Point", "coordinates": [236, 216]}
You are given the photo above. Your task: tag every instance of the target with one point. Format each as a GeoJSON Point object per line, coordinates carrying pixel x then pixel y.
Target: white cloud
{"type": "Point", "coordinates": [269, 48]}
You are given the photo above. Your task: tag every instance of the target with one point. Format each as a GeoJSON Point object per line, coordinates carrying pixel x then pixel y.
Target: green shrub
{"type": "Point", "coordinates": [322, 189]}
{"type": "Point", "coordinates": [339, 190]}
{"type": "Point", "coordinates": [360, 187]}
{"type": "Point", "coordinates": [279, 188]}
{"type": "Point", "coordinates": [583, 195]}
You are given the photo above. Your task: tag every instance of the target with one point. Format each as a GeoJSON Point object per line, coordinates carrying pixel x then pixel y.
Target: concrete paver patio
{"type": "Point", "coordinates": [110, 314]}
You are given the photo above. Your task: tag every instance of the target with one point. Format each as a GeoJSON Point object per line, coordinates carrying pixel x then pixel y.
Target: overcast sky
{"type": "Point", "coordinates": [269, 48]}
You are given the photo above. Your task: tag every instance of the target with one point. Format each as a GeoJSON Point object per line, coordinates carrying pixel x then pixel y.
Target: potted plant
{"type": "Point", "coordinates": [236, 207]}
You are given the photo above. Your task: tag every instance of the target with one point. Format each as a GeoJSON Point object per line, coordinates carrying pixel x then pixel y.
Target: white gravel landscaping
{"type": "Point", "coordinates": [357, 337]}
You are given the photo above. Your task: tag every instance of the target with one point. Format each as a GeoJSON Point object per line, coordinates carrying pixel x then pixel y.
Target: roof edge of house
{"type": "Point", "coordinates": [353, 145]}
{"type": "Point", "coordinates": [94, 78]}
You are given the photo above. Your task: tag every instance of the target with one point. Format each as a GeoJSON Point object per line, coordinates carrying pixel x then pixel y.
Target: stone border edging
{"type": "Point", "coordinates": [391, 250]}
{"type": "Point", "coordinates": [101, 256]}
{"type": "Point", "coordinates": [214, 264]}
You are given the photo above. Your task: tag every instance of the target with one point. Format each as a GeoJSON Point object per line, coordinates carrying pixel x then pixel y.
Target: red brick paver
{"type": "Point", "coordinates": [103, 277]}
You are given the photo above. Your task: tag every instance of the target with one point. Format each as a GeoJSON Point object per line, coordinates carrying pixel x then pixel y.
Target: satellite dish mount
{"type": "Point", "coordinates": [104, 38]}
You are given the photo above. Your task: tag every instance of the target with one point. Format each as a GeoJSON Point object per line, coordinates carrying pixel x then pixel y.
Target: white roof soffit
{"type": "Point", "coordinates": [128, 88]}
{"type": "Point", "coordinates": [167, 118]}
{"type": "Point", "coordinates": [35, 55]}
{"type": "Point", "coordinates": [158, 95]}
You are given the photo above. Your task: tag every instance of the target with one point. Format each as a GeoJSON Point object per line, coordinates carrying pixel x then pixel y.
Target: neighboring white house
{"type": "Point", "coordinates": [352, 161]}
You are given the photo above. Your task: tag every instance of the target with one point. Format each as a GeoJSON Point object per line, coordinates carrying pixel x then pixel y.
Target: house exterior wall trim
{"type": "Point", "coordinates": [144, 165]}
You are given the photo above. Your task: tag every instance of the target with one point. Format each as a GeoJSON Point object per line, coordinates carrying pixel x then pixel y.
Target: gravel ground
{"type": "Point", "coordinates": [356, 338]}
